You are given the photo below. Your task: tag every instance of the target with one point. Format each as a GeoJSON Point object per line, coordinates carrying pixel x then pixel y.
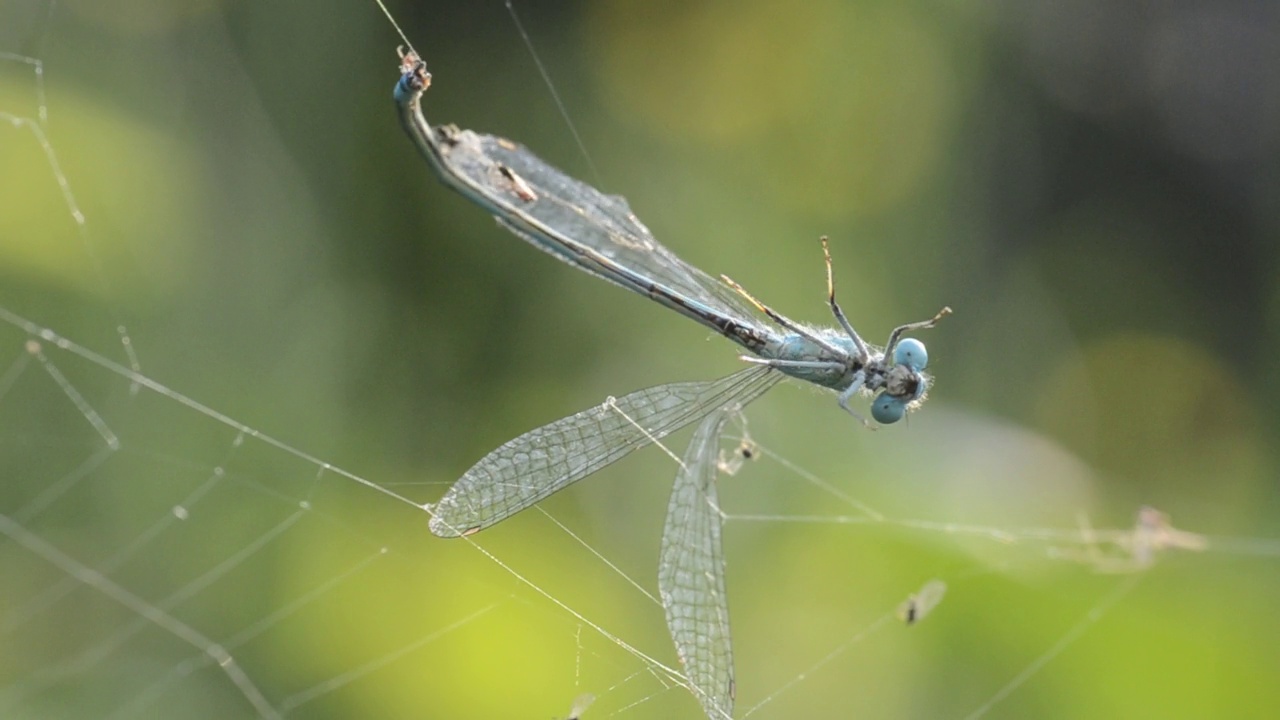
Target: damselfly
{"type": "Point", "coordinates": [600, 234]}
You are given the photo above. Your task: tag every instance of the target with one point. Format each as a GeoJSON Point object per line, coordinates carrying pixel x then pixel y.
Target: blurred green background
{"type": "Point", "coordinates": [1091, 186]}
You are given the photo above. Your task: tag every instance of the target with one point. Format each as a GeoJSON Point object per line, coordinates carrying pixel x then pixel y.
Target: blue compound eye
{"type": "Point", "coordinates": [887, 409]}
{"type": "Point", "coordinates": [911, 352]}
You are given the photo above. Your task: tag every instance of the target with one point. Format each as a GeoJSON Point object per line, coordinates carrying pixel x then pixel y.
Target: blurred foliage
{"type": "Point", "coordinates": [1091, 186]}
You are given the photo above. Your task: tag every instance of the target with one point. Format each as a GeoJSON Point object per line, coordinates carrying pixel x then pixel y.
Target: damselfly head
{"type": "Point", "coordinates": [904, 389]}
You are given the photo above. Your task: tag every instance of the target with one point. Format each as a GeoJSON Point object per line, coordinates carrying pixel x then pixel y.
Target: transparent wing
{"type": "Point", "coordinates": [570, 219]}
{"type": "Point", "coordinates": [606, 224]}
{"type": "Point", "coordinates": [516, 180]}
{"type": "Point", "coordinates": [691, 573]}
{"type": "Point", "coordinates": [531, 467]}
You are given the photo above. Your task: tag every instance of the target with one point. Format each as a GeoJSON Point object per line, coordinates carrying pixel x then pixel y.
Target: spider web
{"type": "Point", "coordinates": [201, 520]}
